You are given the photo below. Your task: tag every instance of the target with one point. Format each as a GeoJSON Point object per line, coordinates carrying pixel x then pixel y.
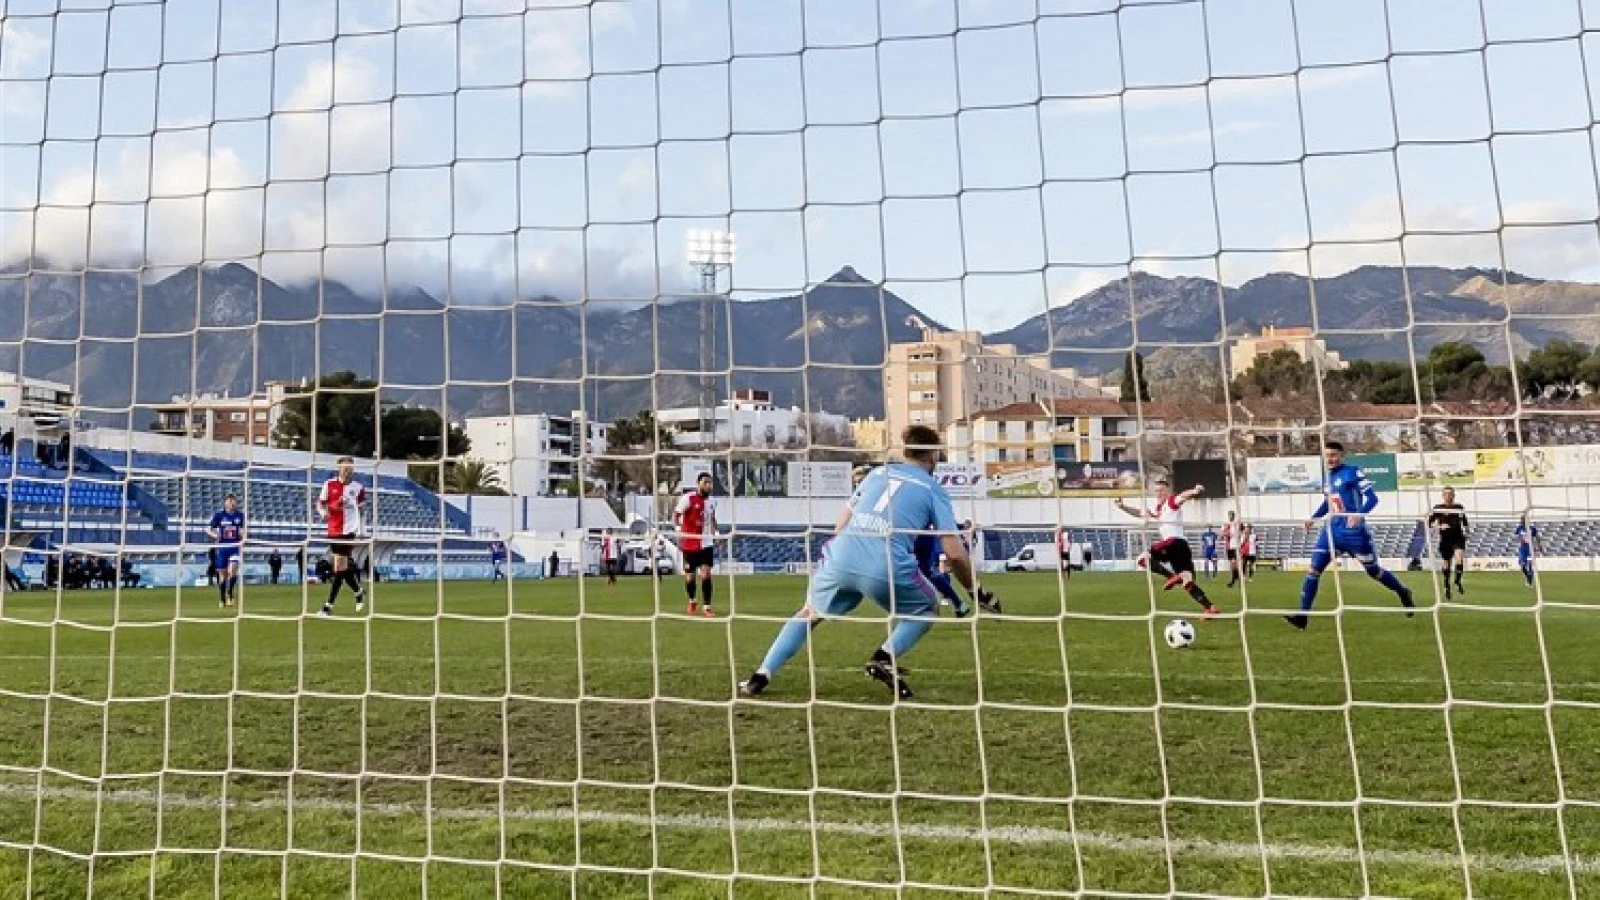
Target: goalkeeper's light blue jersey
{"type": "Point", "coordinates": [893, 507]}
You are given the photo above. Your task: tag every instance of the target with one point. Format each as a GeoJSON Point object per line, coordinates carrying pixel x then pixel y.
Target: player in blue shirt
{"type": "Point", "coordinates": [928, 548]}
{"type": "Point", "coordinates": [874, 555]}
{"type": "Point", "coordinates": [1349, 496]}
{"type": "Point", "coordinates": [1527, 542]}
{"type": "Point", "coordinates": [1208, 550]}
{"type": "Point", "coordinates": [227, 533]}
{"type": "Point", "coordinates": [497, 559]}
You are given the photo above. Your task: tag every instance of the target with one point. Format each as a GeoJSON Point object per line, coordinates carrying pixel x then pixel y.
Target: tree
{"type": "Point", "coordinates": [414, 432]}
{"type": "Point", "coordinates": [1280, 375]}
{"type": "Point", "coordinates": [345, 417]}
{"type": "Point", "coordinates": [1367, 381]}
{"type": "Point", "coordinates": [1457, 371]}
{"type": "Point", "coordinates": [461, 476]}
{"type": "Point", "coordinates": [347, 423]}
{"type": "Point", "coordinates": [1134, 385]}
{"type": "Point", "coordinates": [1555, 370]}
{"type": "Point", "coordinates": [631, 457]}
{"type": "Point", "coordinates": [1589, 372]}
{"type": "Point", "coordinates": [474, 476]}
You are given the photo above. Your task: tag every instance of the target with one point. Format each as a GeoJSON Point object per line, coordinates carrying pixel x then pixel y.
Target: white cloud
{"type": "Point", "coordinates": [24, 47]}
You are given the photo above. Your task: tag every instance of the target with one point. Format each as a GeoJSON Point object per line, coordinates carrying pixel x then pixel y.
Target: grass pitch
{"type": "Point", "coordinates": [558, 740]}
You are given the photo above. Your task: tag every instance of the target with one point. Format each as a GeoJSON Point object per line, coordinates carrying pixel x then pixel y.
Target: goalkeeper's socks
{"type": "Point", "coordinates": [706, 592]}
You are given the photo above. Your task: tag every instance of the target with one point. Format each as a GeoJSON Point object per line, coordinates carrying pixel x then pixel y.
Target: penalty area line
{"type": "Point", "coordinates": [1013, 835]}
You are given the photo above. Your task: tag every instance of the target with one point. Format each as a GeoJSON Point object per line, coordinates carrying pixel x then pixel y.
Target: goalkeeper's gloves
{"type": "Point", "coordinates": [988, 601]}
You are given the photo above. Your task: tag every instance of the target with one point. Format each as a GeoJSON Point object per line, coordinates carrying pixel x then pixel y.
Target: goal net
{"type": "Point", "coordinates": [541, 269]}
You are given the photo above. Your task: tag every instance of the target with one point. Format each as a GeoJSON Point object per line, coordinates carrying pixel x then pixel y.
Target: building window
{"type": "Point", "coordinates": [238, 417]}
{"type": "Point", "coordinates": [261, 416]}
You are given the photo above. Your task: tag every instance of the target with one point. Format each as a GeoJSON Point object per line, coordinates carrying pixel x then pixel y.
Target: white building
{"type": "Point", "coordinates": [750, 419]}
{"type": "Point", "coordinates": [535, 455]}
{"type": "Point", "coordinates": [33, 407]}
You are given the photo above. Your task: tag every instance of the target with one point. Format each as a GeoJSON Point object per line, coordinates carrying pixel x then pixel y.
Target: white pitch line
{"type": "Point", "coordinates": [1015, 835]}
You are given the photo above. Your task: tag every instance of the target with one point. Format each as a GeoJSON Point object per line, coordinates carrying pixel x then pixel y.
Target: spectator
{"type": "Point", "coordinates": [64, 452]}
{"type": "Point", "coordinates": [555, 563]}
{"type": "Point", "coordinates": [108, 573]}
{"type": "Point", "coordinates": [211, 567]}
{"type": "Point", "coordinates": [274, 564]}
{"type": "Point", "coordinates": [300, 559]}
{"type": "Point", "coordinates": [52, 571]}
{"type": "Point", "coordinates": [8, 442]}
{"type": "Point", "coordinates": [130, 578]}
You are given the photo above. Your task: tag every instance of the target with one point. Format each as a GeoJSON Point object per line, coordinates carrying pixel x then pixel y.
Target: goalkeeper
{"type": "Point", "coordinates": [874, 556]}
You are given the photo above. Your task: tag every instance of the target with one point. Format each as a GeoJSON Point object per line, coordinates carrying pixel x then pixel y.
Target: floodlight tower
{"type": "Point", "coordinates": [709, 253]}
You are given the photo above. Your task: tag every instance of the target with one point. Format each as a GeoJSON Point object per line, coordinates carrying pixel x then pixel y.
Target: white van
{"type": "Point", "coordinates": [1035, 558]}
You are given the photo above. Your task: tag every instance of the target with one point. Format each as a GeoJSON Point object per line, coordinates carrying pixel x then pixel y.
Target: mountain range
{"type": "Point", "coordinates": [225, 330]}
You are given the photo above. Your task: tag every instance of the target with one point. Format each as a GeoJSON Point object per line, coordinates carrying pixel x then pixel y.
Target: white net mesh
{"type": "Point", "coordinates": [535, 266]}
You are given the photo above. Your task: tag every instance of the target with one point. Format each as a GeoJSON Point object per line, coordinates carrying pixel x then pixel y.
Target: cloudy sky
{"type": "Point", "coordinates": [984, 159]}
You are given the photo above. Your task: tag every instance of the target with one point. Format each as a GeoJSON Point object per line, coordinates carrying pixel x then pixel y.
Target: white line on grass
{"type": "Point", "coordinates": [1016, 835]}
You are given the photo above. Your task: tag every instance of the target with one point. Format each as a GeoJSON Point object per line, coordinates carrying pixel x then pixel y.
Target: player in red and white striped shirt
{"type": "Point", "coordinates": [696, 519]}
{"type": "Point", "coordinates": [340, 505]}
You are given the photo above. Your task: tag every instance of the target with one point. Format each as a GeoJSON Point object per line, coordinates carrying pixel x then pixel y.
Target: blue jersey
{"type": "Point", "coordinates": [1346, 490]}
{"type": "Point", "coordinates": [229, 526]}
{"type": "Point", "coordinates": [927, 550]}
{"type": "Point", "coordinates": [1525, 537]}
{"type": "Point", "coordinates": [497, 552]}
{"type": "Point", "coordinates": [1208, 543]}
{"type": "Point", "coordinates": [894, 506]}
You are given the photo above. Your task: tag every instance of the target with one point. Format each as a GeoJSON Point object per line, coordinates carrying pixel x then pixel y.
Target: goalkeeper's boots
{"type": "Point", "coordinates": [988, 602]}
{"type": "Point", "coordinates": [882, 669]}
{"type": "Point", "coordinates": [1300, 621]}
{"type": "Point", "coordinates": [753, 685]}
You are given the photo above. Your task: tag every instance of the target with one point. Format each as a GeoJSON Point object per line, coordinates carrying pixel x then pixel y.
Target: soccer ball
{"type": "Point", "coordinates": [1180, 634]}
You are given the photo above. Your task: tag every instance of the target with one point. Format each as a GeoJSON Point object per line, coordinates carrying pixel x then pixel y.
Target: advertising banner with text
{"type": "Point", "coordinates": [1380, 469]}
{"type": "Point", "coordinates": [1099, 479]}
{"type": "Point", "coordinates": [1021, 479]}
{"type": "Point", "coordinates": [960, 479]}
{"type": "Point", "coordinates": [1284, 475]}
{"type": "Point", "coordinates": [819, 479]}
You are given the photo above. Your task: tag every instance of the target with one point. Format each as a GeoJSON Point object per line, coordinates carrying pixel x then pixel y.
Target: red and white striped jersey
{"type": "Point", "coordinates": [1168, 515]}
{"type": "Point", "coordinates": [696, 518]}
{"type": "Point", "coordinates": [343, 503]}
{"type": "Point", "coordinates": [1227, 536]}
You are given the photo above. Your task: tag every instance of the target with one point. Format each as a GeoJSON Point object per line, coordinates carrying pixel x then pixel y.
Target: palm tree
{"type": "Point", "coordinates": [474, 476]}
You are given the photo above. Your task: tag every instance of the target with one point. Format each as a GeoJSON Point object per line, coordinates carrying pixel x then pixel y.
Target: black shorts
{"type": "Point", "coordinates": [344, 545]}
{"type": "Point", "coordinates": [1449, 545]}
{"type": "Point", "coordinates": [1233, 554]}
{"type": "Point", "coordinates": [1173, 554]}
{"type": "Point", "coordinates": [694, 559]}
